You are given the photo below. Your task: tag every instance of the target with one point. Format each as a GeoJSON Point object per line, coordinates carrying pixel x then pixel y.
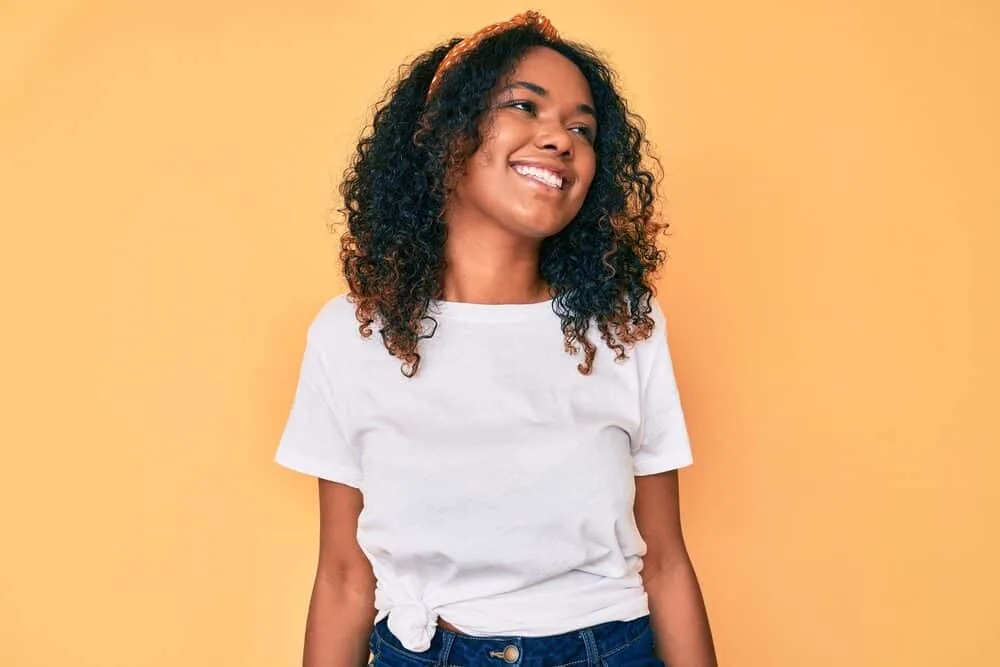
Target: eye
{"type": "Point", "coordinates": [524, 105]}
{"type": "Point", "coordinates": [585, 131]}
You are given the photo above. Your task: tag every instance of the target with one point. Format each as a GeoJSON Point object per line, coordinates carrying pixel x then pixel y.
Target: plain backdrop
{"type": "Point", "coordinates": [167, 174]}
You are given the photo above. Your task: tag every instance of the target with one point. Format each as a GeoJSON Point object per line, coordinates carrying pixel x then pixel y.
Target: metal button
{"type": "Point", "coordinates": [511, 654]}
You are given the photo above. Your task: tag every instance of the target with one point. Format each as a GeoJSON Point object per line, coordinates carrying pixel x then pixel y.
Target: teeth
{"type": "Point", "coordinates": [543, 175]}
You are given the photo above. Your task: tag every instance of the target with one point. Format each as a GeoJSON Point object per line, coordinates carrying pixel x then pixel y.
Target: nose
{"type": "Point", "coordinates": [556, 138]}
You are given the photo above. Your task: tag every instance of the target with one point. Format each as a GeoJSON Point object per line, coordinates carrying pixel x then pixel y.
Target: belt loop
{"type": "Point", "coordinates": [448, 638]}
{"type": "Point", "coordinates": [593, 656]}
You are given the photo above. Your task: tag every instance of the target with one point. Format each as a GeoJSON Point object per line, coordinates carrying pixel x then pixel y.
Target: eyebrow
{"type": "Point", "coordinates": [541, 92]}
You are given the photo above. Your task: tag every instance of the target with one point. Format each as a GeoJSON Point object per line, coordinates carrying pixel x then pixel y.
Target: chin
{"type": "Point", "coordinates": [540, 233]}
{"type": "Point", "coordinates": [541, 229]}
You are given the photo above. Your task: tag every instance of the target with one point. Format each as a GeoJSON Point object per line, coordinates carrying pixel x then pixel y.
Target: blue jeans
{"type": "Point", "coordinates": [615, 644]}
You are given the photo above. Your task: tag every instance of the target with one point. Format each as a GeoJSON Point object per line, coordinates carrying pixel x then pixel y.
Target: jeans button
{"type": "Point", "coordinates": [511, 654]}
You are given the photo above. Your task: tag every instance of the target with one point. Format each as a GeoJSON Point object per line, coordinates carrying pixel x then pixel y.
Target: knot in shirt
{"type": "Point", "coordinates": [413, 624]}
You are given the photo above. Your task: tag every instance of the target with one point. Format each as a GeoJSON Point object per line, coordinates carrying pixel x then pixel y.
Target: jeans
{"type": "Point", "coordinates": [614, 644]}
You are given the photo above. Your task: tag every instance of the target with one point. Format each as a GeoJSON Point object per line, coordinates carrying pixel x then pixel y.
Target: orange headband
{"type": "Point", "coordinates": [472, 41]}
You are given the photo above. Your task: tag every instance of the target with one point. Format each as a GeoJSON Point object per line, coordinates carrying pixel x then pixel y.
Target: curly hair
{"type": "Point", "coordinates": [599, 267]}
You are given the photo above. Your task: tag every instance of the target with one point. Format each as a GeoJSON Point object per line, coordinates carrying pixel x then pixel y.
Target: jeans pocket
{"type": "Point", "coordinates": [387, 655]}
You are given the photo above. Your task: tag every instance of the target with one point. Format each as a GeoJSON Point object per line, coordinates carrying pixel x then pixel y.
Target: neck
{"type": "Point", "coordinates": [488, 266]}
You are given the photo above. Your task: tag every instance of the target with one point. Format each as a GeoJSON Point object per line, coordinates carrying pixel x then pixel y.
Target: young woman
{"type": "Point", "coordinates": [498, 466]}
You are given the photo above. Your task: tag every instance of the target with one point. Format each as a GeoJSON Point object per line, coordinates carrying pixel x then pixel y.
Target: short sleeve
{"type": "Point", "coordinates": [313, 440]}
{"type": "Point", "coordinates": [663, 442]}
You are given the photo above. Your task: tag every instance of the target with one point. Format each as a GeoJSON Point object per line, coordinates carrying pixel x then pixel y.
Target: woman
{"type": "Point", "coordinates": [498, 467]}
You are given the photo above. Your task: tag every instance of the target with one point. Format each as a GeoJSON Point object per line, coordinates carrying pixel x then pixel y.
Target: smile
{"type": "Point", "coordinates": [543, 176]}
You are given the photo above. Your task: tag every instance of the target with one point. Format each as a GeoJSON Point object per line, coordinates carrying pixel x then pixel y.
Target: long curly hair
{"type": "Point", "coordinates": [599, 267]}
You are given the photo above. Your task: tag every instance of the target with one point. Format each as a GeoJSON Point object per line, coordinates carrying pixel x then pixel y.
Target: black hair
{"type": "Point", "coordinates": [599, 267]}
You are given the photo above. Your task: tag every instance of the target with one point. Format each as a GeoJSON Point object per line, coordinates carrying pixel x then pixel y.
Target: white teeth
{"type": "Point", "coordinates": [545, 176]}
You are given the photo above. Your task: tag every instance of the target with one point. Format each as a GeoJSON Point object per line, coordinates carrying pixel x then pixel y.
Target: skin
{"type": "Point", "coordinates": [342, 607]}
{"type": "Point", "coordinates": [497, 220]}
{"type": "Point", "coordinates": [676, 607]}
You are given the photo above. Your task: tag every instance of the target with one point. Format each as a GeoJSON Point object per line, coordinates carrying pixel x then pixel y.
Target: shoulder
{"type": "Point", "coordinates": [335, 323]}
{"type": "Point", "coordinates": [650, 350]}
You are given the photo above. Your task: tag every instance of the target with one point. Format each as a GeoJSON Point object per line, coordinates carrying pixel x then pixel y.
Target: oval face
{"type": "Point", "coordinates": [536, 162]}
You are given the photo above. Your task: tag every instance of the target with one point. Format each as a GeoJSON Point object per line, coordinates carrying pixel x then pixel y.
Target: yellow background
{"type": "Point", "coordinates": [166, 172]}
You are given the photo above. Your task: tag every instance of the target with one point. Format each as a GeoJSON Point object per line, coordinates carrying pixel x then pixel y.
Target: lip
{"type": "Point", "coordinates": [555, 167]}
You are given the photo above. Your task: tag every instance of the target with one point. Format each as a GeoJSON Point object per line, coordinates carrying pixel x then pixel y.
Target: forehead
{"type": "Point", "coordinates": [554, 72]}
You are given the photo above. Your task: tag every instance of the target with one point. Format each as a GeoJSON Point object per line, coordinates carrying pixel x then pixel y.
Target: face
{"type": "Point", "coordinates": [532, 171]}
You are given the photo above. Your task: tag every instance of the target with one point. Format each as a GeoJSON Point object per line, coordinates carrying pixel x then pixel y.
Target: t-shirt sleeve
{"type": "Point", "coordinates": [663, 442]}
{"type": "Point", "coordinates": [313, 440]}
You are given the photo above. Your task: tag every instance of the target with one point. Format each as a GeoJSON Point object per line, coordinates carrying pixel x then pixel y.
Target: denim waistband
{"type": "Point", "coordinates": [587, 646]}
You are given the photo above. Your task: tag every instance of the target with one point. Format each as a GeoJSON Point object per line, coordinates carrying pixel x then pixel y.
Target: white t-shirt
{"type": "Point", "coordinates": [498, 482]}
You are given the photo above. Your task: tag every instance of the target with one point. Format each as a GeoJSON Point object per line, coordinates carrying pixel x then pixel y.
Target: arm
{"type": "Point", "coordinates": [677, 610]}
{"type": "Point", "coordinates": [342, 608]}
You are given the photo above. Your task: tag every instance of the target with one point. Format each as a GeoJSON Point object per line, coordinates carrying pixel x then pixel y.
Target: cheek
{"type": "Point", "coordinates": [485, 159]}
{"type": "Point", "coordinates": [506, 135]}
{"type": "Point", "coordinates": [477, 182]}
{"type": "Point", "coordinates": [490, 131]}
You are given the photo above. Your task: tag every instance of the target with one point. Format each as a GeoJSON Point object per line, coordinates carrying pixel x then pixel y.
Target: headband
{"type": "Point", "coordinates": [457, 52]}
